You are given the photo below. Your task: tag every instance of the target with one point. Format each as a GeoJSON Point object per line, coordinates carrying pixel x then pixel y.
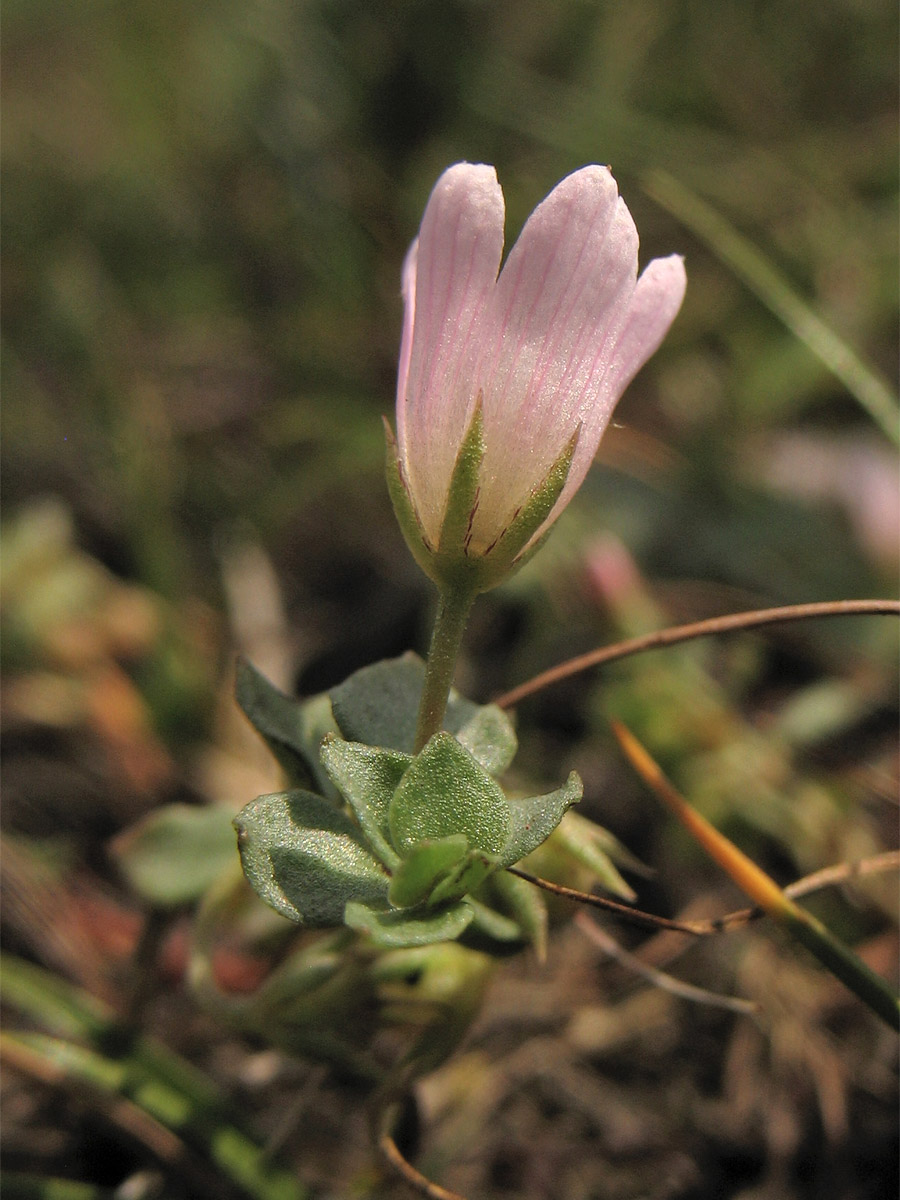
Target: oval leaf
{"type": "Point", "coordinates": [367, 777]}
{"type": "Point", "coordinates": [446, 791]}
{"type": "Point", "coordinates": [306, 859]}
{"type": "Point", "coordinates": [379, 706]}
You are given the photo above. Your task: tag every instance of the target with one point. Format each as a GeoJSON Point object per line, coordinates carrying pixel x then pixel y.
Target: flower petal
{"type": "Point", "coordinates": [559, 303]}
{"type": "Point", "coordinates": [654, 306]}
{"type": "Point", "coordinates": [408, 292]}
{"type": "Point", "coordinates": [447, 282]}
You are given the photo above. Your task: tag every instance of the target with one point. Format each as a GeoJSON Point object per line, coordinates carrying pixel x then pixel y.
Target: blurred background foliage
{"type": "Point", "coordinates": [206, 208]}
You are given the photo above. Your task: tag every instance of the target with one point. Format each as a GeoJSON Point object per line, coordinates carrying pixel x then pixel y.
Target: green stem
{"type": "Point", "coordinates": [454, 605]}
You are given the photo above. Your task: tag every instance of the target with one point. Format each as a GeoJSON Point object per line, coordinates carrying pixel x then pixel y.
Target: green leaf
{"type": "Point", "coordinates": [416, 875]}
{"type": "Point", "coordinates": [535, 818]}
{"type": "Point", "coordinates": [173, 855]}
{"type": "Point", "coordinates": [446, 791]}
{"type": "Point", "coordinates": [379, 706]}
{"type": "Point", "coordinates": [394, 930]}
{"type": "Point", "coordinates": [487, 734]}
{"type": "Point", "coordinates": [306, 859]}
{"type": "Point", "coordinates": [467, 876]}
{"type": "Point", "coordinates": [291, 728]}
{"type": "Point", "coordinates": [367, 777]}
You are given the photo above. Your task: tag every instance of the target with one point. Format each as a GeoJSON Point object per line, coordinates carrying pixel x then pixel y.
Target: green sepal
{"type": "Point", "coordinates": [306, 859]}
{"type": "Point", "coordinates": [466, 877]}
{"type": "Point", "coordinates": [595, 847]}
{"type": "Point", "coordinates": [404, 508]}
{"type": "Point", "coordinates": [367, 777]}
{"type": "Point", "coordinates": [175, 853]}
{"type": "Point", "coordinates": [415, 877]}
{"type": "Point", "coordinates": [511, 549]}
{"type": "Point", "coordinates": [291, 728]}
{"type": "Point", "coordinates": [447, 791]}
{"type": "Point", "coordinates": [462, 494]}
{"type": "Point", "coordinates": [379, 706]}
{"type": "Point", "coordinates": [533, 819]}
{"type": "Point", "coordinates": [393, 930]}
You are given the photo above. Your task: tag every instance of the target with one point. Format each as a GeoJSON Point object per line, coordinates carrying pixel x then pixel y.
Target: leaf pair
{"type": "Point", "coordinates": [425, 833]}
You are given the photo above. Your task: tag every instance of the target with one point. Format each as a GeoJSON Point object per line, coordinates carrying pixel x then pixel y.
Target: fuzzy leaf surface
{"type": "Point", "coordinates": [379, 706]}
{"type": "Point", "coordinates": [367, 777]}
{"type": "Point", "coordinates": [444, 792]}
{"type": "Point", "coordinates": [291, 728]}
{"type": "Point", "coordinates": [415, 877]}
{"type": "Point", "coordinates": [306, 859]}
{"type": "Point", "coordinates": [534, 819]}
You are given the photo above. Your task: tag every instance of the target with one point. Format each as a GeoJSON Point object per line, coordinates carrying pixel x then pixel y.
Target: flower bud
{"type": "Point", "coordinates": [508, 378]}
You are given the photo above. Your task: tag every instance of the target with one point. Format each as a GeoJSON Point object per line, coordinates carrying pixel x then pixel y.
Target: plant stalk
{"type": "Point", "coordinates": [454, 605]}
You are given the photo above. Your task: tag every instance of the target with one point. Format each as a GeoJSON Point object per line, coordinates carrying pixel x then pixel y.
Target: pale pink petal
{"type": "Point", "coordinates": [559, 303]}
{"type": "Point", "coordinates": [408, 292]}
{"type": "Point", "coordinates": [654, 306]}
{"type": "Point", "coordinates": [459, 250]}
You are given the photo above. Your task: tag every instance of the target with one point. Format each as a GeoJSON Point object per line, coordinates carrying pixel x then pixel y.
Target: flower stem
{"type": "Point", "coordinates": [454, 605]}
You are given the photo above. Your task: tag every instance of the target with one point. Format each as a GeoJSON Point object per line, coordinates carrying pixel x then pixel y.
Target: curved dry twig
{"type": "Point", "coordinates": [667, 983]}
{"type": "Point", "coordinates": [417, 1181]}
{"type": "Point", "coordinates": [839, 873]}
{"type": "Point", "coordinates": [634, 916]}
{"type": "Point", "coordinates": [696, 629]}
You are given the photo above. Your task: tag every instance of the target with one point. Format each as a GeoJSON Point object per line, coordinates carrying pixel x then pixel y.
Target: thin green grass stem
{"type": "Point", "coordinates": [844, 964]}
{"type": "Point", "coordinates": [871, 390]}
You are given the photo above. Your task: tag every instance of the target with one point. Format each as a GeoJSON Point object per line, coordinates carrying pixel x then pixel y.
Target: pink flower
{"type": "Point", "coordinates": [508, 378]}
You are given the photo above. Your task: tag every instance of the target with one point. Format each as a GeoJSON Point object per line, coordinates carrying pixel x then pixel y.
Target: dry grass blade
{"type": "Point", "coordinates": [755, 883]}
